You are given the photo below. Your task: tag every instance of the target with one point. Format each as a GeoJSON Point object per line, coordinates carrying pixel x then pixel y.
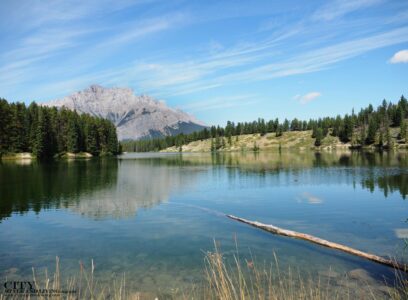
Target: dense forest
{"type": "Point", "coordinates": [46, 131]}
{"type": "Point", "coordinates": [367, 127]}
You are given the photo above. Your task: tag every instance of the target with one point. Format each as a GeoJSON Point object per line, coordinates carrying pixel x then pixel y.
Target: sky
{"type": "Point", "coordinates": [218, 60]}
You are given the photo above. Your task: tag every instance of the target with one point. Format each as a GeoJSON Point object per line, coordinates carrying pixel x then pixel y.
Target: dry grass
{"type": "Point", "coordinates": [245, 142]}
{"type": "Point", "coordinates": [224, 279]}
{"type": "Point", "coordinates": [82, 287]}
{"type": "Point", "coordinates": [246, 279]}
{"type": "Point", "coordinates": [290, 139]}
{"type": "Point", "coordinates": [241, 280]}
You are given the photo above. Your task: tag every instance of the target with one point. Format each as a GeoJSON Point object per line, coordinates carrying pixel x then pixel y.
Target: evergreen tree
{"type": "Point", "coordinates": [390, 143]}
{"type": "Point", "coordinates": [381, 139]}
{"type": "Point", "coordinates": [112, 139]}
{"type": "Point", "coordinates": [217, 142]}
{"type": "Point", "coordinates": [72, 135]}
{"type": "Point", "coordinates": [42, 147]}
{"type": "Point", "coordinates": [18, 128]}
{"type": "Point", "coordinates": [279, 131]}
{"type": "Point", "coordinates": [371, 132]}
{"type": "Point", "coordinates": [46, 131]}
{"type": "Point", "coordinates": [403, 131]}
{"type": "Point", "coordinates": [213, 149]}
{"type": "Point", "coordinates": [5, 120]}
{"type": "Point", "coordinates": [286, 125]}
{"type": "Point", "coordinates": [363, 136]}
{"type": "Point", "coordinates": [318, 136]}
{"type": "Point", "coordinates": [91, 134]}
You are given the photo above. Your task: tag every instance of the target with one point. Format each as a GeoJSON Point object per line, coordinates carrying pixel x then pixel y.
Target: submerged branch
{"type": "Point", "coordinates": [322, 242]}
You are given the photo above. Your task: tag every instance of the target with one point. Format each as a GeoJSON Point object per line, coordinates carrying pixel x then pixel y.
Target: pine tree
{"type": "Point", "coordinates": [217, 142]}
{"type": "Point", "coordinates": [372, 130]}
{"type": "Point", "coordinates": [388, 137]}
{"type": "Point", "coordinates": [213, 148]}
{"type": "Point", "coordinates": [112, 139]}
{"type": "Point", "coordinates": [354, 140]}
{"type": "Point", "coordinates": [381, 139]}
{"type": "Point", "coordinates": [72, 135]}
{"type": "Point", "coordinates": [42, 147]}
{"type": "Point", "coordinates": [286, 125]}
{"type": "Point", "coordinates": [362, 137]}
{"type": "Point", "coordinates": [91, 134]}
{"type": "Point", "coordinates": [279, 131]}
{"type": "Point", "coordinates": [319, 136]}
{"type": "Point", "coordinates": [18, 128]}
{"type": "Point", "coordinates": [403, 131]}
{"type": "Point", "coordinates": [5, 120]}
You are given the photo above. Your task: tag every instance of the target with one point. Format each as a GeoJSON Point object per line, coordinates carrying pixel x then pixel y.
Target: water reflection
{"type": "Point", "coordinates": [38, 186]}
{"type": "Point", "coordinates": [324, 194]}
{"type": "Point", "coordinates": [386, 171]}
{"type": "Point", "coordinates": [95, 188]}
{"type": "Point", "coordinates": [139, 185]}
{"type": "Point", "coordinates": [388, 184]}
{"type": "Point", "coordinates": [119, 188]}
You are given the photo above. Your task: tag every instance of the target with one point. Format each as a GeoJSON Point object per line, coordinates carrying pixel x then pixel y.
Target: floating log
{"type": "Point", "coordinates": [322, 242]}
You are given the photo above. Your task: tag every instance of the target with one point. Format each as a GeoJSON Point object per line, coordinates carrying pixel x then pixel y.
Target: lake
{"type": "Point", "coordinates": [154, 216]}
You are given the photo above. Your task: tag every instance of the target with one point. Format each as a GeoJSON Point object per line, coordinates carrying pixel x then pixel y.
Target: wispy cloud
{"type": "Point", "coordinates": [309, 198]}
{"type": "Point", "coordinates": [70, 44]}
{"type": "Point", "coordinates": [73, 45]}
{"type": "Point", "coordinates": [338, 8]}
{"type": "Point", "coordinates": [307, 98]}
{"type": "Point", "coordinates": [220, 102]}
{"type": "Point", "coordinates": [400, 57]}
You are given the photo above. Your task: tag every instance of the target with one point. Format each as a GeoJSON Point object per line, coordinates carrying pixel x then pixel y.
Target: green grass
{"type": "Point", "coordinates": [301, 140]}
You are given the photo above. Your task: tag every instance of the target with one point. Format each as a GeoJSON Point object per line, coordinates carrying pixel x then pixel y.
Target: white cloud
{"type": "Point", "coordinates": [307, 98]}
{"type": "Point", "coordinates": [220, 102]}
{"type": "Point", "coordinates": [339, 8]}
{"type": "Point", "coordinates": [71, 33]}
{"type": "Point", "coordinates": [400, 57]}
{"type": "Point", "coordinates": [309, 198]}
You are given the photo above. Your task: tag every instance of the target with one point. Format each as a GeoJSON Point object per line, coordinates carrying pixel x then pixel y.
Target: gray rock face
{"type": "Point", "coordinates": [135, 117]}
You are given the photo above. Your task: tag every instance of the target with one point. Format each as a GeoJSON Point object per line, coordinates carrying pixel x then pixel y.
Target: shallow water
{"type": "Point", "coordinates": [153, 216]}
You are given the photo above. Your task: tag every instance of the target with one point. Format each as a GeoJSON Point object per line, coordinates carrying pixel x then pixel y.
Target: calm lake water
{"type": "Point", "coordinates": [153, 216]}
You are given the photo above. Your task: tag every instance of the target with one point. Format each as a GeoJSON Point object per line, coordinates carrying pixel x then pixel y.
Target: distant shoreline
{"type": "Point", "coordinates": [27, 156]}
{"type": "Point", "coordinates": [296, 140]}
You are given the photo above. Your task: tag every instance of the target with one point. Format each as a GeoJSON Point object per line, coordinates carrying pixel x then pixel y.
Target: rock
{"type": "Point", "coordinates": [361, 275]}
{"type": "Point", "coordinates": [328, 273]}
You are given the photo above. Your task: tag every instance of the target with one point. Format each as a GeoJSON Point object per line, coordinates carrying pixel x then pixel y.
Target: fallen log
{"type": "Point", "coordinates": [322, 242]}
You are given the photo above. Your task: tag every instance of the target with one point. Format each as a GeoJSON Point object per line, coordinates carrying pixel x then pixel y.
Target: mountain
{"type": "Point", "coordinates": [135, 117]}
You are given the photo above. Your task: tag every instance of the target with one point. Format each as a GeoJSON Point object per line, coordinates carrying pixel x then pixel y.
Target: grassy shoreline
{"type": "Point", "coordinates": [300, 140]}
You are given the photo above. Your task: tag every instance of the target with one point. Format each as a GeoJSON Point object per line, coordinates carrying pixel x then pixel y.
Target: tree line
{"type": "Point", "coordinates": [368, 126]}
{"type": "Point", "coordinates": [47, 131]}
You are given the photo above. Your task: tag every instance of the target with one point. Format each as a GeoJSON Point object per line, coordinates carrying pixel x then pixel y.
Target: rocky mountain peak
{"type": "Point", "coordinates": [135, 116]}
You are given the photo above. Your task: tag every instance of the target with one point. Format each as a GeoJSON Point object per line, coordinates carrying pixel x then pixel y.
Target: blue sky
{"type": "Point", "coordinates": [219, 60]}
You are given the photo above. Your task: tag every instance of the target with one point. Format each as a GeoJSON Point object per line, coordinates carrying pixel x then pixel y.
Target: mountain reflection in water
{"type": "Point", "coordinates": [112, 188]}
